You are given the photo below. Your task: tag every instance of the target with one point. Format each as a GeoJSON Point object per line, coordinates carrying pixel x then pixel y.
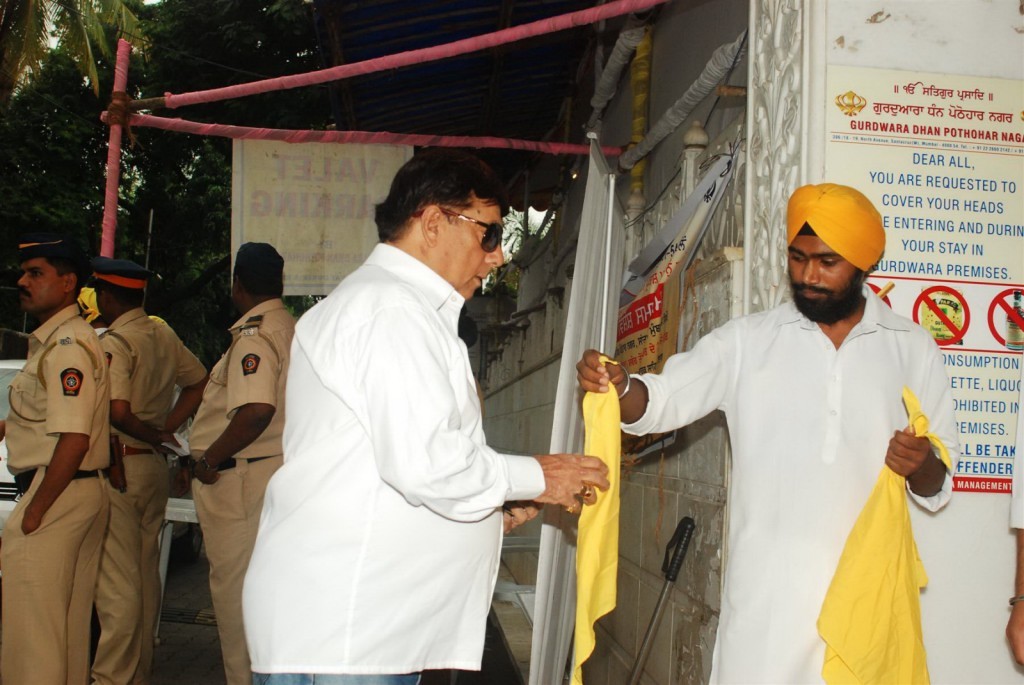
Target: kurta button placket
{"type": "Point", "coordinates": [830, 445]}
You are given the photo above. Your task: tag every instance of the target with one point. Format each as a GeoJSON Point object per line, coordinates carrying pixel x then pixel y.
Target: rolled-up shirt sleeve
{"type": "Point", "coordinates": [253, 368]}
{"type": "Point", "coordinates": [939, 499]}
{"type": "Point", "coordinates": [70, 373]}
{"type": "Point", "coordinates": [936, 399]}
{"type": "Point", "coordinates": [119, 362]}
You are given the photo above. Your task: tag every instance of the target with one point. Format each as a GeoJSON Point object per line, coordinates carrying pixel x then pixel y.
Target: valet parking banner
{"type": "Point", "coordinates": [942, 158]}
{"type": "Point", "coordinates": [314, 202]}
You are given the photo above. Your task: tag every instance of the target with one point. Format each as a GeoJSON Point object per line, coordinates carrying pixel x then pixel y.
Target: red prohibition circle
{"type": "Point", "coordinates": [996, 302]}
{"type": "Point", "coordinates": [925, 299]}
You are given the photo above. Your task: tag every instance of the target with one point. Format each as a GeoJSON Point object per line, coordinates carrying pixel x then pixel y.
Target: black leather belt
{"type": "Point", "coordinates": [24, 479]}
{"type": "Point", "coordinates": [231, 463]}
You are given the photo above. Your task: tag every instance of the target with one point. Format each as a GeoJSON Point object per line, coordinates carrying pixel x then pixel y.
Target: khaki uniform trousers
{"type": "Point", "coordinates": [128, 590]}
{"type": "Point", "coordinates": [49, 580]}
{"type": "Point", "coordinates": [229, 514]}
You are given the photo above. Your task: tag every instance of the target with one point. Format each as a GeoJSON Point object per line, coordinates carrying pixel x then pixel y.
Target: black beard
{"type": "Point", "coordinates": [833, 308]}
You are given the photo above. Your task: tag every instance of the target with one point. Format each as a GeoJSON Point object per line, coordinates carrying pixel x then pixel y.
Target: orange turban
{"type": "Point", "coordinates": [840, 216]}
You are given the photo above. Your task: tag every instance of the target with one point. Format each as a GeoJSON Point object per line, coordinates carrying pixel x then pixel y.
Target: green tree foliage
{"type": "Point", "coordinates": [56, 153]}
{"type": "Point", "coordinates": [80, 28]}
{"type": "Point", "coordinates": [186, 180]}
{"type": "Point", "coordinates": [51, 172]}
{"type": "Point", "coordinates": [523, 230]}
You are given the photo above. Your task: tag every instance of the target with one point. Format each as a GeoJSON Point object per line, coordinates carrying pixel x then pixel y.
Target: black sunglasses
{"type": "Point", "coordinates": [492, 232]}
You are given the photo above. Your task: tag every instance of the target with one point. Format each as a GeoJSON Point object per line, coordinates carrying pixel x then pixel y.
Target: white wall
{"type": "Point", "coordinates": [968, 37]}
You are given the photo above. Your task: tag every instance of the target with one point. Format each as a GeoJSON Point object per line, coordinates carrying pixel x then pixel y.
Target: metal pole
{"type": "Point", "coordinates": [149, 241]}
{"type": "Point", "coordinates": [674, 555]}
{"type": "Point", "coordinates": [603, 330]}
{"type": "Point", "coordinates": [149, 238]}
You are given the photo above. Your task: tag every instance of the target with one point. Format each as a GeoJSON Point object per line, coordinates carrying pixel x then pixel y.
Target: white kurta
{"type": "Point", "coordinates": [809, 427]}
{"type": "Point", "coordinates": [380, 537]}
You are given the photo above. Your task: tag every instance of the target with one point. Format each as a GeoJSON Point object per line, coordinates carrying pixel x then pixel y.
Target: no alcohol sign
{"type": "Point", "coordinates": [1004, 317]}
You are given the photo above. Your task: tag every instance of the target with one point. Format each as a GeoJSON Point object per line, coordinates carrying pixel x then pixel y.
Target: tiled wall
{"type": "Point", "coordinates": [688, 478]}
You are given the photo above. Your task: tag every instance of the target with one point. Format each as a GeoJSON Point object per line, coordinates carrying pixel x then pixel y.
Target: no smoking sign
{"type": "Point", "coordinates": [944, 313]}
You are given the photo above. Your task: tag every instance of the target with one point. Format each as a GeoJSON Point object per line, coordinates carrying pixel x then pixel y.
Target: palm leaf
{"type": "Point", "coordinates": [27, 28]}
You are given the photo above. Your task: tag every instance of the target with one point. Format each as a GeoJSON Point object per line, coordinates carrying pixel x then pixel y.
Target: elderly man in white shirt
{"type": "Point", "coordinates": [379, 542]}
{"type": "Point", "coordinates": [812, 391]}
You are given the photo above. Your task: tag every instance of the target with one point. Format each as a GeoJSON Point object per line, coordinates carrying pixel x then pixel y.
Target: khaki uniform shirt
{"type": "Point", "coordinates": [63, 388]}
{"type": "Point", "coordinates": [147, 359]}
{"type": "Point", "coordinates": [253, 370]}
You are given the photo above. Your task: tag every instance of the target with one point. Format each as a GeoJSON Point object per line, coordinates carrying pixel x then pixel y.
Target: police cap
{"type": "Point", "coordinates": [259, 261]}
{"type": "Point", "coordinates": [121, 272]}
{"type": "Point", "coordinates": [53, 246]}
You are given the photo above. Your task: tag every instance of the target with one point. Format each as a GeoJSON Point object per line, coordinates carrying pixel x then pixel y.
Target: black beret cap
{"type": "Point", "coordinates": [53, 245]}
{"type": "Point", "coordinates": [121, 272]}
{"type": "Point", "coordinates": [260, 260]}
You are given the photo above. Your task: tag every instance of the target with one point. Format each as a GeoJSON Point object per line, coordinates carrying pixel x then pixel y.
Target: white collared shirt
{"type": "Point", "coordinates": [809, 427]}
{"type": "Point", "coordinates": [380, 536]}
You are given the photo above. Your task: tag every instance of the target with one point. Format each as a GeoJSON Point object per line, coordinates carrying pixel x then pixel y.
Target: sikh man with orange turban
{"type": "Point", "coordinates": [812, 391]}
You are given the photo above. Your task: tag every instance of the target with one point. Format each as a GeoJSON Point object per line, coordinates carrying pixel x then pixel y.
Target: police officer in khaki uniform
{"type": "Point", "coordinates": [57, 440]}
{"type": "Point", "coordinates": [147, 360]}
{"type": "Point", "coordinates": [236, 439]}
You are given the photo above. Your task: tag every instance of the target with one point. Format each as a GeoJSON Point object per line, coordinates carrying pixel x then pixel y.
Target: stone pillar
{"type": "Point", "coordinates": [785, 135]}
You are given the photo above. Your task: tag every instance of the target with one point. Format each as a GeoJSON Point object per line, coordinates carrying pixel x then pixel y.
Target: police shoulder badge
{"type": "Point", "coordinates": [250, 363]}
{"type": "Point", "coordinates": [71, 382]}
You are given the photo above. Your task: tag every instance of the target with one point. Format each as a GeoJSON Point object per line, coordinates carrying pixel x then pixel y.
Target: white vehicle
{"type": "Point", "coordinates": [9, 368]}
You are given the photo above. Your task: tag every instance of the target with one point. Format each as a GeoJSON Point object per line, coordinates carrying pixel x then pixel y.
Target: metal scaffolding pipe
{"type": "Point", "coordinates": [717, 67]}
{"type": "Point", "coordinates": [109, 224]}
{"type": "Point", "coordinates": [625, 45]}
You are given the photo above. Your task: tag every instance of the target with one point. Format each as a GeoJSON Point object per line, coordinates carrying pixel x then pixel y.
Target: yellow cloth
{"type": "Point", "coordinates": [87, 303]}
{"type": "Point", "coordinates": [871, 617]}
{"type": "Point", "coordinates": [842, 217]}
{"type": "Point", "coordinates": [597, 541]}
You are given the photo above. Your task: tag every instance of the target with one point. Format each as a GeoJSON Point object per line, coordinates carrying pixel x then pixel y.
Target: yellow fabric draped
{"type": "Point", "coordinates": [597, 540]}
{"type": "Point", "coordinates": [871, 617]}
